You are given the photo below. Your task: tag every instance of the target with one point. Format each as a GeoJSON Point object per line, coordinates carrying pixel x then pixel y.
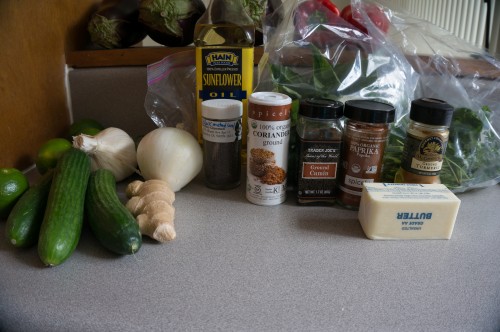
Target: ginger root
{"type": "Point", "coordinates": [150, 202]}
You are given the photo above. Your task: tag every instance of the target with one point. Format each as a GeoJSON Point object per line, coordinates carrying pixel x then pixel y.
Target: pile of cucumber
{"type": "Point", "coordinates": [52, 212]}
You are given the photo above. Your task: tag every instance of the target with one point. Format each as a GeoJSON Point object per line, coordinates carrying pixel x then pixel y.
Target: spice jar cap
{"type": "Point", "coordinates": [369, 111]}
{"type": "Point", "coordinates": [269, 98]}
{"type": "Point", "coordinates": [321, 108]}
{"type": "Point", "coordinates": [221, 109]}
{"type": "Point", "coordinates": [430, 111]}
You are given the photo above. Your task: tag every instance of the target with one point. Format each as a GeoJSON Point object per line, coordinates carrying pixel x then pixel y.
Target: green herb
{"type": "Point", "coordinates": [325, 79]}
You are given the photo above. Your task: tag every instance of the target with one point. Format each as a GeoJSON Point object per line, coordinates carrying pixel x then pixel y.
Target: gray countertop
{"type": "Point", "coordinates": [236, 266]}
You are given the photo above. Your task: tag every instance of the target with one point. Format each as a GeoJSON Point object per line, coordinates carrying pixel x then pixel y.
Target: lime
{"type": "Point", "coordinates": [13, 183]}
{"type": "Point", "coordinates": [49, 153]}
{"type": "Point", "coordinates": [85, 126]}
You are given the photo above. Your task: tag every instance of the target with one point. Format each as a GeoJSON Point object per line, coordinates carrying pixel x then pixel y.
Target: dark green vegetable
{"type": "Point", "coordinates": [171, 22]}
{"type": "Point", "coordinates": [115, 24]}
{"type": "Point", "coordinates": [25, 219]}
{"type": "Point", "coordinates": [63, 219]}
{"type": "Point", "coordinates": [110, 221]}
{"type": "Point", "coordinates": [256, 10]}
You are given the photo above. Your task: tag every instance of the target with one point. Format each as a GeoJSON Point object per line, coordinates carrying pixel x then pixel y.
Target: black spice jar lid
{"type": "Point", "coordinates": [430, 111]}
{"type": "Point", "coordinates": [321, 108]}
{"type": "Point", "coordinates": [369, 111]}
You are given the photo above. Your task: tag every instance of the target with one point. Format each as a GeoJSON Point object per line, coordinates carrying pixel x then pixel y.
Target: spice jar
{"type": "Point", "coordinates": [363, 144]}
{"type": "Point", "coordinates": [267, 147]}
{"type": "Point", "coordinates": [320, 134]}
{"type": "Point", "coordinates": [221, 129]}
{"type": "Point", "coordinates": [426, 139]}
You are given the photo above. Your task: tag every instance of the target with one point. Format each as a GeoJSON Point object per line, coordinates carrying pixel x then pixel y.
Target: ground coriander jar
{"type": "Point", "coordinates": [221, 131]}
{"type": "Point", "coordinates": [267, 147]}
{"type": "Point", "coordinates": [365, 136]}
{"type": "Point", "coordinates": [426, 139]}
{"type": "Point", "coordinates": [319, 129]}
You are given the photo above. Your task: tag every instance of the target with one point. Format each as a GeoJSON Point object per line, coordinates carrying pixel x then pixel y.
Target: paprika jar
{"type": "Point", "coordinates": [426, 139]}
{"type": "Point", "coordinates": [319, 129]}
{"type": "Point", "coordinates": [364, 139]}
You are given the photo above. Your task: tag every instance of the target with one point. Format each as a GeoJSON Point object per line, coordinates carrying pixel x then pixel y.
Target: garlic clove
{"type": "Point", "coordinates": [112, 149]}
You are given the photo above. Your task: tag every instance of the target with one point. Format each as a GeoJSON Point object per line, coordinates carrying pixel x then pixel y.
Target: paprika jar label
{"type": "Point", "coordinates": [362, 162]}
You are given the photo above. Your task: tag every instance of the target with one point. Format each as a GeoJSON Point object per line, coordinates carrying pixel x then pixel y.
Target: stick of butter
{"type": "Point", "coordinates": [398, 211]}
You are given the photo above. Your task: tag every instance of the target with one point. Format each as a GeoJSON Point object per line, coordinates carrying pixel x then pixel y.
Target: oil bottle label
{"type": "Point", "coordinates": [223, 73]}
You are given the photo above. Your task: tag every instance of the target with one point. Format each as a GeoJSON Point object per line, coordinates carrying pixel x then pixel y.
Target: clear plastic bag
{"type": "Point", "coordinates": [170, 99]}
{"type": "Point", "coordinates": [336, 60]}
{"type": "Point", "coordinates": [466, 77]}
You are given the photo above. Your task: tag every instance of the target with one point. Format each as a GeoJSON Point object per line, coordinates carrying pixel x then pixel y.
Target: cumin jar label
{"type": "Point", "coordinates": [267, 147]}
{"type": "Point", "coordinates": [364, 140]}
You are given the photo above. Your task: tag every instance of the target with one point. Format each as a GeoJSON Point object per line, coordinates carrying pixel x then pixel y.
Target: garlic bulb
{"type": "Point", "coordinates": [112, 149]}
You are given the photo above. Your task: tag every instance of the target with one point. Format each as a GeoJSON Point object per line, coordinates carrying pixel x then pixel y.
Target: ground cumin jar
{"type": "Point", "coordinates": [426, 139]}
{"type": "Point", "coordinates": [320, 134]}
{"type": "Point", "coordinates": [267, 147]}
{"type": "Point", "coordinates": [365, 135]}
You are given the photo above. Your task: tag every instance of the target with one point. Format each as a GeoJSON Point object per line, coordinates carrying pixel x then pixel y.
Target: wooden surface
{"type": "Point", "coordinates": [142, 56]}
{"type": "Point", "coordinates": [134, 56]}
{"type": "Point", "coordinates": [35, 36]}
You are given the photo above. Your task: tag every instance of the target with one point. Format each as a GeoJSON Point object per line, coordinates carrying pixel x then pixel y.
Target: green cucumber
{"type": "Point", "coordinates": [110, 221]}
{"type": "Point", "coordinates": [25, 219]}
{"type": "Point", "coordinates": [63, 219]}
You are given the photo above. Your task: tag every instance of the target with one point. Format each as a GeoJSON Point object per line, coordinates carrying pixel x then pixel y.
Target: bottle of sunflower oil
{"type": "Point", "coordinates": [224, 37]}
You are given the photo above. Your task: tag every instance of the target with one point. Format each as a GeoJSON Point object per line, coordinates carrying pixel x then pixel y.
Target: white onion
{"type": "Point", "coordinates": [169, 154]}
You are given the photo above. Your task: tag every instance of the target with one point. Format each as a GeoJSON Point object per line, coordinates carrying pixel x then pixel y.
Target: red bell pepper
{"type": "Point", "coordinates": [311, 13]}
{"type": "Point", "coordinates": [374, 12]}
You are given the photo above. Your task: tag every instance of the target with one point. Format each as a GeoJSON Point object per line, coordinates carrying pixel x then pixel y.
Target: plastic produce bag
{"type": "Point", "coordinates": [466, 77]}
{"type": "Point", "coordinates": [326, 56]}
{"type": "Point", "coordinates": [170, 99]}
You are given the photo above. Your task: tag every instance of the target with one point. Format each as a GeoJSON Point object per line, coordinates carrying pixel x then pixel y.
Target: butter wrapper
{"type": "Point", "coordinates": [400, 211]}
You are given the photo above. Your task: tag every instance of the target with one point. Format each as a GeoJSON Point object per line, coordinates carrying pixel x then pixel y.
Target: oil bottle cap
{"type": "Point", "coordinates": [369, 111]}
{"type": "Point", "coordinates": [221, 109]}
{"type": "Point", "coordinates": [430, 111]}
{"type": "Point", "coordinates": [321, 108]}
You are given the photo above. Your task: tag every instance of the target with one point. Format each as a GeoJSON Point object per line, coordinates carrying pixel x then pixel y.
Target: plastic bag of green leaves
{"type": "Point", "coordinates": [392, 56]}
{"type": "Point", "coordinates": [311, 51]}
{"type": "Point", "coordinates": [468, 78]}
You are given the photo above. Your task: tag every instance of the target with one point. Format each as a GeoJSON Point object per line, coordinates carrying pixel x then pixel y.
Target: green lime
{"type": "Point", "coordinates": [49, 153]}
{"type": "Point", "coordinates": [13, 183]}
{"type": "Point", "coordinates": [85, 126]}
